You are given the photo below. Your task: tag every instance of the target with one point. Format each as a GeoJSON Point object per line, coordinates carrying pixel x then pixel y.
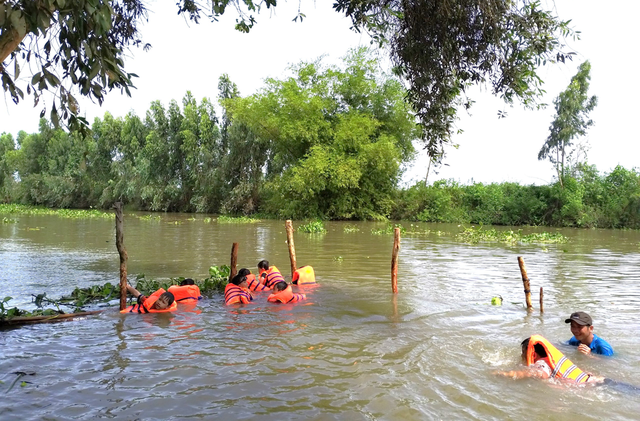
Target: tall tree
{"type": "Point", "coordinates": [439, 47]}
{"type": "Point", "coordinates": [571, 120]}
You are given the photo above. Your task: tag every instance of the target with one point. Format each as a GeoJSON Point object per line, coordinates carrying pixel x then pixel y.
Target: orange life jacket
{"type": "Point", "coordinates": [273, 276]}
{"type": "Point", "coordinates": [286, 296]}
{"type": "Point", "coordinates": [233, 294]}
{"type": "Point", "coordinates": [185, 293]}
{"type": "Point", "coordinates": [147, 305]}
{"type": "Point", "coordinates": [304, 275]}
{"type": "Point", "coordinates": [254, 284]}
{"type": "Point", "coordinates": [560, 365]}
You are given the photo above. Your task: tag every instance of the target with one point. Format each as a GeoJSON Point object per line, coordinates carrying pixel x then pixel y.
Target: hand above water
{"type": "Point", "coordinates": [584, 349]}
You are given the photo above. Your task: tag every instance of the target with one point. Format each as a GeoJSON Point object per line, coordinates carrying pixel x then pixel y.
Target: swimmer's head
{"type": "Point", "coordinates": [164, 301]}
{"type": "Point", "coordinates": [187, 281]}
{"type": "Point", "coordinates": [240, 280]}
{"type": "Point", "coordinates": [280, 286]}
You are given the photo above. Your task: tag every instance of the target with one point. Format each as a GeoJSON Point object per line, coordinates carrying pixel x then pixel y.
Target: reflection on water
{"type": "Point", "coordinates": [352, 352]}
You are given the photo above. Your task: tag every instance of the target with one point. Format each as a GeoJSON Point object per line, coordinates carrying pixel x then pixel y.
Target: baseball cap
{"type": "Point", "coordinates": [581, 318]}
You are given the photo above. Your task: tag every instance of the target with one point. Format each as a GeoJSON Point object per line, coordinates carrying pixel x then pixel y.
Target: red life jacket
{"type": "Point", "coordinates": [233, 294]}
{"type": "Point", "coordinates": [273, 276]}
{"type": "Point", "coordinates": [254, 284]}
{"type": "Point", "coordinates": [286, 296]}
{"type": "Point", "coordinates": [304, 275]}
{"type": "Point", "coordinates": [146, 306]}
{"type": "Point", "coordinates": [185, 293]}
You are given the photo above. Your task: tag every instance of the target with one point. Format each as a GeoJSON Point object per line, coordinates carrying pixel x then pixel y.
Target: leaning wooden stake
{"type": "Point", "coordinates": [123, 255]}
{"type": "Point", "coordinates": [394, 260]}
{"type": "Point", "coordinates": [292, 247]}
{"type": "Point", "coordinates": [17, 321]}
{"type": "Point", "coordinates": [525, 281]}
{"type": "Point", "coordinates": [541, 305]}
{"type": "Point", "coordinates": [234, 261]}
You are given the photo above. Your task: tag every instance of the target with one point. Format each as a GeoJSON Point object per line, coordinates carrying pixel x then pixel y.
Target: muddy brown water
{"type": "Point", "coordinates": [353, 351]}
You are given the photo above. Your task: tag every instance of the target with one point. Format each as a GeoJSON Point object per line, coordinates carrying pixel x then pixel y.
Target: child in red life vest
{"type": "Point", "coordinates": [282, 293]}
{"type": "Point", "coordinates": [186, 292]}
{"type": "Point", "coordinates": [269, 275]}
{"type": "Point", "coordinates": [236, 291]}
{"type": "Point", "coordinates": [159, 301]}
{"type": "Point", "coordinates": [252, 282]}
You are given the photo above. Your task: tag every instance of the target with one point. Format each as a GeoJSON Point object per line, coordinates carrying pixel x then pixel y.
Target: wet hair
{"type": "Point", "coordinates": [542, 353]}
{"type": "Point", "coordinates": [280, 286]}
{"type": "Point", "coordinates": [238, 279]}
{"type": "Point", "coordinates": [263, 264]}
{"type": "Point", "coordinates": [187, 281]}
{"type": "Point", "coordinates": [244, 272]}
{"type": "Point", "coordinates": [168, 296]}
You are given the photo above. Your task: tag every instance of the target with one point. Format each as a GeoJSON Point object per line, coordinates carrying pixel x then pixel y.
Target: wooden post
{"type": "Point", "coordinates": [541, 305]}
{"type": "Point", "coordinates": [525, 281]}
{"type": "Point", "coordinates": [123, 255]}
{"type": "Point", "coordinates": [394, 260]}
{"type": "Point", "coordinates": [234, 261]}
{"type": "Point", "coordinates": [292, 248]}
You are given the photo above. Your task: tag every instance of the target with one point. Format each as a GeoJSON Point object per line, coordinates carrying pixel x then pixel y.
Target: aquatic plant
{"type": "Point", "coordinates": [215, 283]}
{"type": "Point", "coordinates": [313, 227]}
{"type": "Point", "coordinates": [350, 229]}
{"type": "Point", "coordinates": [222, 219]}
{"type": "Point", "coordinates": [473, 235]}
{"type": "Point", "coordinates": [6, 220]}
{"type": "Point", "coordinates": [15, 209]}
{"type": "Point", "coordinates": [150, 217]}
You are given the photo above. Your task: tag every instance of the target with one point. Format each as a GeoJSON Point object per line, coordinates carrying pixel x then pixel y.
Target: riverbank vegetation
{"type": "Point", "coordinates": [325, 143]}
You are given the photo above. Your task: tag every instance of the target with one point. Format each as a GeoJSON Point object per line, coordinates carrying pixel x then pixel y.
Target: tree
{"type": "Point", "coordinates": [571, 121]}
{"type": "Point", "coordinates": [439, 47]}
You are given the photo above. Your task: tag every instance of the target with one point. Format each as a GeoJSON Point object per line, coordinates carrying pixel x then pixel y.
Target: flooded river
{"type": "Point", "coordinates": [353, 351]}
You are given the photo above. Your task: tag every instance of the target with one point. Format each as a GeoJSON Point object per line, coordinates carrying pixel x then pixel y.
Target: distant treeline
{"type": "Point", "coordinates": [325, 143]}
{"type": "Point", "coordinates": [587, 200]}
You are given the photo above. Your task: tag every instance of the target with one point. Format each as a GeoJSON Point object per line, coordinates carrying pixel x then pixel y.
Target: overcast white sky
{"type": "Point", "coordinates": [192, 57]}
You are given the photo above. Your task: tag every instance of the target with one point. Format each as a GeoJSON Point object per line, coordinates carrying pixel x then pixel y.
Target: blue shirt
{"type": "Point", "coordinates": [598, 345]}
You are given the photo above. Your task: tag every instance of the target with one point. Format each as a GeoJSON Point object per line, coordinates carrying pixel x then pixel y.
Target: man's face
{"type": "Point", "coordinates": [581, 332]}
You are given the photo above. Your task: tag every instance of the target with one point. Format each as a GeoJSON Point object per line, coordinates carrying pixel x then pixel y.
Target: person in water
{"type": "Point", "coordinates": [269, 275]}
{"type": "Point", "coordinates": [160, 300]}
{"type": "Point", "coordinates": [252, 282]}
{"type": "Point", "coordinates": [237, 291]}
{"type": "Point", "coordinates": [583, 336]}
{"type": "Point", "coordinates": [544, 361]}
{"type": "Point", "coordinates": [282, 293]}
{"type": "Point", "coordinates": [186, 292]}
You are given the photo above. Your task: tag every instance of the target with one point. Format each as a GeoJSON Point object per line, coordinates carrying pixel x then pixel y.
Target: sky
{"type": "Point", "coordinates": [191, 57]}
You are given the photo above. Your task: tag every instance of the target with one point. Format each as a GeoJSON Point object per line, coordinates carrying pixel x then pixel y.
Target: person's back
{"type": "Point", "coordinates": [186, 292]}
{"type": "Point", "coordinates": [270, 274]}
{"type": "Point", "coordinates": [236, 291]}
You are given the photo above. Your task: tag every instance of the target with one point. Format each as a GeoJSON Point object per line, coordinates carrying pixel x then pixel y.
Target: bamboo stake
{"type": "Point", "coordinates": [234, 261]}
{"type": "Point", "coordinates": [541, 305]}
{"type": "Point", "coordinates": [123, 255]}
{"type": "Point", "coordinates": [525, 281]}
{"type": "Point", "coordinates": [14, 321]}
{"type": "Point", "coordinates": [394, 260]}
{"type": "Point", "coordinates": [292, 247]}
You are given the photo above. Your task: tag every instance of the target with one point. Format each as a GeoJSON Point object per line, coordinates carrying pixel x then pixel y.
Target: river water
{"type": "Point", "coordinates": [352, 351]}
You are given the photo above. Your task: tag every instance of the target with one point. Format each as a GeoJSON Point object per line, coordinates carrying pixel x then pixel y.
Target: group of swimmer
{"type": "Point", "coordinates": [544, 360]}
{"type": "Point", "coordinates": [238, 290]}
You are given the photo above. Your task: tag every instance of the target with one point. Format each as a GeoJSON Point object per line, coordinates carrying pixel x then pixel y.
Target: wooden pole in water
{"type": "Point", "coordinates": [541, 305]}
{"type": "Point", "coordinates": [394, 260]}
{"type": "Point", "coordinates": [123, 255]}
{"type": "Point", "coordinates": [292, 248]}
{"type": "Point", "coordinates": [525, 281]}
{"type": "Point", "coordinates": [234, 261]}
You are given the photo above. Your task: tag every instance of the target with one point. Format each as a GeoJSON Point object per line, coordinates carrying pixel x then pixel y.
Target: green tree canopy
{"type": "Point", "coordinates": [439, 47]}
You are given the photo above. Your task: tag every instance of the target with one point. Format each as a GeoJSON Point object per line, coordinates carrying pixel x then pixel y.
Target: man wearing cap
{"type": "Point", "coordinates": [583, 336]}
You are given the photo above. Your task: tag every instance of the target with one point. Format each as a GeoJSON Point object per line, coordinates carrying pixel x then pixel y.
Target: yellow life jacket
{"type": "Point", "coordinates": [560, 365]}
{"type": "Point", "coordinates": [304, 275]}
